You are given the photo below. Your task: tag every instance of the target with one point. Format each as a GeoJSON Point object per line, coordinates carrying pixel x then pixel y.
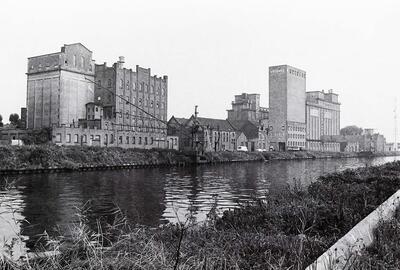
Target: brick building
{"type": "Point", "coordinates": [88, 104]}
{"type": "Point", "coordinates": [247, 107]}
{"type": "Point", "coordinates": [323, 121]}
{"type": "Point", "coordinates": [203, 134]}
{"type": "Point", "coordinates": [287, 101]}
{"type": "Point", "coordinates": [122, 91]}
{"type": "Point", "coordinates": [57, 86]}
{"type": "Point", "coordinates": [250, 121]}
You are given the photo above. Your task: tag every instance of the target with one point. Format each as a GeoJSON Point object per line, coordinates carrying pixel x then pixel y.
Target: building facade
{"type": "Point", "coordinates": [88, 104]}
{"type": "Point", "coordinates": [247, 107]}
{"type": "Point", "coordinates": [323, 121]}
{"type": "Point", "coordinates": [250, 121]}
{"type": "Point", "coordinates": [58, 86]}
{"type": "Point", "coordinates": [134, 100]}
{"type": "Point", "coordinates": [203, 134]}
{"type": "Point", "coordinates": [287, 101]}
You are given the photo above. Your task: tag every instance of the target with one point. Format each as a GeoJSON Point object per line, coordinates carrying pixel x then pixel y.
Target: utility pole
{"type": "Point", "coordinates": [395, 125]}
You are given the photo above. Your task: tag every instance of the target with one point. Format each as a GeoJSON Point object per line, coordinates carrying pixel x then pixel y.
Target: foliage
{"type": "Point", "coordinates": [1, 120]}
{"type": "Point", "coordinates": [14, 119]}
{"type": "Point", "coordinates": [39, 136]}
{"type": "Point", "coordinates": [351, 130]}
{"type": "Point", "coordinates": [288, 230]}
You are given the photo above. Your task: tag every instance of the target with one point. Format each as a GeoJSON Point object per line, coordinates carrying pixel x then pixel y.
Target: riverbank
{"type": "Point", "coordinates": [286, 230]}
{"type": "Point", "coordinates": [52, 158]}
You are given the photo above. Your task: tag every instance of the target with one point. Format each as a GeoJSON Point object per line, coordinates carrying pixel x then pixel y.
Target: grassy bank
{"type": "Point", "coordinates": [52, 156]}
{"type": "Point", "coordinates": [288, 230]}
{"type": "Point", "coordinates": [384, 253]}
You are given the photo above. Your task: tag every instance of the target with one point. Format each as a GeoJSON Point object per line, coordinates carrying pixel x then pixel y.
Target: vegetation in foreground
{"type": "Point", "coordinates": [286, 231]}
{"type": "Point", "coordinates": [384, 253]}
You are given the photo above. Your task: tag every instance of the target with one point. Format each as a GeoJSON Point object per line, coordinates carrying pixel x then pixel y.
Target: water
{"type": "Point", "coordinates": [48, 203]}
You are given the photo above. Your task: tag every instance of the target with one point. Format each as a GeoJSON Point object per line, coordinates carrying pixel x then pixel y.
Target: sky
{"type": "Point", "coordinates": [213, 50]}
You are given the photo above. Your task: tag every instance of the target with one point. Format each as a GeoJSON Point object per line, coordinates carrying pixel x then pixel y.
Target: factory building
{"type": "Point", "coordinates": [287, 101]}
{"type": "Point", "coordinates": [323, 121]}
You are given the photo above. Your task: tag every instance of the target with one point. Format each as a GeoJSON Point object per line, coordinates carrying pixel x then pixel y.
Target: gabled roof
{"type": "Point", "coordinates": [216, 124]}
{"type": "Point", "coordinates": [249, 128]}
{"type": "Point", "coordinates": [180, 121]}
{"type": "Point", "coordinates": [77, 44]}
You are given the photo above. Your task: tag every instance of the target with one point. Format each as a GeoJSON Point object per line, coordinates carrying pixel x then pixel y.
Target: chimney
{"type": "Point", "coordinates": [121, 62]}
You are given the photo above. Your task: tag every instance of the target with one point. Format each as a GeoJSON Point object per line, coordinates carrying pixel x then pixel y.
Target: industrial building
{"type": "Point", "coordinates": [287, 101]}
{"type": "Point", "coordinates": [88, 104]}
{"type": "Point", "coordinates": [323, 121]}
{"type": "Point", "coordinates": [57, 86]}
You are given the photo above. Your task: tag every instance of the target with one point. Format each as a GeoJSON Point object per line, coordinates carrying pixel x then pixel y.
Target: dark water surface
{"type": "Point", "coordinates": [48, 202]}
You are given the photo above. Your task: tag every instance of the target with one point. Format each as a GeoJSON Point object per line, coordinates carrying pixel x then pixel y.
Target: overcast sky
{"type": "Point", "coordinates": [212, 50]}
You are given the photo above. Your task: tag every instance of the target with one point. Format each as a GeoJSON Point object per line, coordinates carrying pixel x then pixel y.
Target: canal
{"type": "Point", "coordinates": [33, 204]}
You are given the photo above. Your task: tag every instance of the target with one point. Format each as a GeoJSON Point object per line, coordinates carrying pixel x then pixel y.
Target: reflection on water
{"type": "Point", "coordinates": [149, 196]}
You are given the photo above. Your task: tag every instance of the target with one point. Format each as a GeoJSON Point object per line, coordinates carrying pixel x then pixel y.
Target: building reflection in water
{"type": "Point", "coordinates": [149, 196]}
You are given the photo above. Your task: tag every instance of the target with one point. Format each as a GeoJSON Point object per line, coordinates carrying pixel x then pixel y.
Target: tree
{"type": "Point", "coordinates": [351, 130]}
{"type": "Point", "coordinates": [1, 120]}
{"type": "Point", "coordinates": [14, 119]}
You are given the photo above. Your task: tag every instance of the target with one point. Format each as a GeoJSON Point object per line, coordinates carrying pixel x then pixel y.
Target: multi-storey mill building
{"type": "Point", "coordinates": [57, 86]}
{"type": "Point", "coordinates": [287, 101]}
{"type": "Point", "coordinates": [88, 104]}
{"type": "Point", "coordinates": [122, 92]}
{"type": "Point", "coordinates": [323, 121]}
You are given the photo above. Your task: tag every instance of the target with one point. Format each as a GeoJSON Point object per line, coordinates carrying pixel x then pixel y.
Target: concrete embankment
{"type": "Point", "coordinates": [52, 158]}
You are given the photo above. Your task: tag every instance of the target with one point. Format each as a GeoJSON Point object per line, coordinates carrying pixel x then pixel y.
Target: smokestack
{"type": "Point", "coordinates": [121, 62]}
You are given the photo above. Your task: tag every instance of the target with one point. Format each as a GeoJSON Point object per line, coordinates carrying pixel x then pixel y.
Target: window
{"type": "Point", "coordinates": [121, 83]}
{"type": "Point", "coordinates": [127, 139]}
{"type": "Point", "coordinates": [68, 138]}
{"type": "Point", "coordinates": [82, 62]}
{"type": "Point", "coordinates": [127, 85]}
{"type": "Point", "coordinates": [134, 86]}
{"type": "Point", "coordinates": [157, 104]}
{"type": "Point", "coordinates": [76, 138]}
{"type": "Point", "coordinates": [162, 92]}
{"type": "Point", "coordinates": [151, 104]}
{"type": "Point", "coordinates": [112, 138]}
{"type": "Point", "coordinates": [145, 140]}
{"type": "Point", "coordinates": [140, 140]}
{"type": "Point", "coordinates": [74, 60]}
{"type": "Point", "coordinates": [97, 109]}
{"type": "Point", "coordinates": [151, 140]}
{"type": "Point", "coordinates": [133, 140]}
{"type": "Point", "coordinates": [58, 137]}
{"type": "Point", "coordinates": [120, 139]}
{"type": "Point", "coordinates": [105, 139]}
{"type": "Point", "coordinates": [84, 139]}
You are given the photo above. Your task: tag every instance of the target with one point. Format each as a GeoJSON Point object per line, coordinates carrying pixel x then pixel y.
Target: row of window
{"type": "Point", "coordinates": [296, 128]}
{"type": "Point", "coordinates": [144, 87]}
{"type": "Point", "coordinates": [295, 143]}
{"type": "Point", "coordinates": [296, 136]}
{"type": "Point", "coordinates": [108, 139]}
{"type": "Point", "coordinates": [297, 73]}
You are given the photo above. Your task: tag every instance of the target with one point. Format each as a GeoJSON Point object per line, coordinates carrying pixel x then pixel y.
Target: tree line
{"type": "Point", "coordinates": [13, 120]}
